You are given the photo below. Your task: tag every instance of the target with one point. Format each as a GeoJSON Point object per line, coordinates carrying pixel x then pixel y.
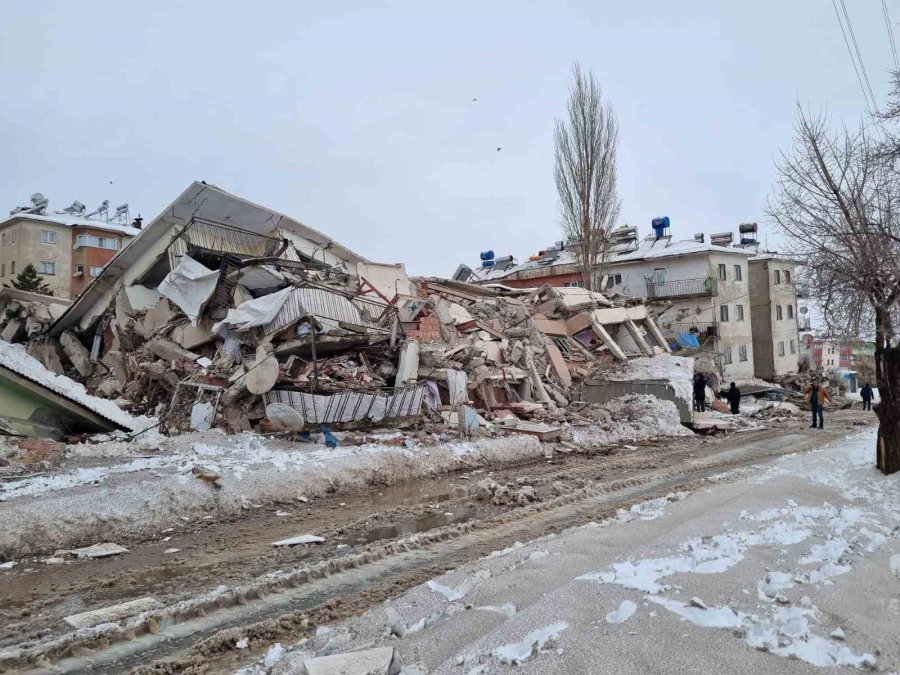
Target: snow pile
{"type": "Point", "coordinates": [635, 417]}
{"type": "Point", "coordinates": [19, 361]}
{"type": "Point", "coordinates": [533, 643]}
{"type": "Point", "coordinates": [678, 371]}
{"type": "Point", "coordinates": [623, 613]}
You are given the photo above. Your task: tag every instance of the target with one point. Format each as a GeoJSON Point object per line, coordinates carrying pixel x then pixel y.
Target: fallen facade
{"type": "Point", "coordinates": [223, 313]}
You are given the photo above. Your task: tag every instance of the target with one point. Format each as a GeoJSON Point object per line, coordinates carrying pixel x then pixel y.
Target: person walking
{"type": "Point", "coordinates": [817, 394]}
{"type": "Point", "coordinates": [699, 393]}
{"type": "Point", "coordinates": [734, 398]}
{"type": "Point", "coordinates": [867, 395]}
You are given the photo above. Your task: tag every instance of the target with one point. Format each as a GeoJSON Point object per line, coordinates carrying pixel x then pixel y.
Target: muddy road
{"type": "Point", "coordinates": [378, 542]}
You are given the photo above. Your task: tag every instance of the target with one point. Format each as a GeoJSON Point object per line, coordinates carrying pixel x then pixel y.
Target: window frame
{"type": "Point", "coordinates": [738, 312]}
{"type": "Point", "coordinates": [781, 351]}
{"type": "Point", "coordinates": [779, 313]}
{"type": "Point", "coordinates": [49, 237]}
{"type": "Point", "coordinates": [723, 313]}
{"type": "Point", "coordinates": [738, 273]}
{"type": "Point", "coordinates": [742, 353]}
{"type": "Point", "coordinates": [52, 266]}
{"type": "Point", "coordinates": [723, 272]}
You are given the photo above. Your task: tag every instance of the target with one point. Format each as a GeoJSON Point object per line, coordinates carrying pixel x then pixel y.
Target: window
{"type": "Point", "coordinates": [12, 267]}
{"type": "Point", "coordinates": [738, 273]}
{"type": "Point", "coordinates": [48, 237]}
{"type": "Point", "coordinates": [727, 353]}
{"type": "Point", "coordinates": [14, 236]}
{"type": "Point", "coordinates": [614, 280]}
{"type": "Point", "coordinates": [2, 270]}
{"type": "Point", "coordinates": [47, 267]}
{"type": "Point", "coordinates": [3, 239]}
{"type": "Point", "coordinates": [790, 311]}
{"type": "Point", "coordinates": [79, 271]}
{"type": "Point", "coordinates": [110, 243]}
{"type": "Point", "coordinates": [793, 347]}
{"type": "Point", "coordinates": [723, 313]}
{"type": "Point", "coordinates": [722, 274]}
{"type": "Point", "coordinates": [787, 276]}
{"type": "Point", "coordinates": [738, 312]}
{"type": "Point", "coordinates": [742, 353]}
{"type": "Point", "coordinates": [781, 348]}
{"type": "Point", "coordinates": [778, 313]}
{"type": "Point", "coordinates": [96, 270]}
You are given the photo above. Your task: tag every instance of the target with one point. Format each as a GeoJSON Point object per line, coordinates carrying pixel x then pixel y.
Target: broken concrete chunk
{"type": "Point", "coordinates": [99, 550]}
{"type": "Point", "coordinates": [378, 661]}
{"type": "Point", "coordinates": [302, 539]}
{"type": "Point", "coordinates": [161, 314]}
{"type": "Point", "coordinates": [77, 353]}
{"type": "Point", "coordinates": [114, 613]}
{"type": "Point", "coordinates": [168, 350]}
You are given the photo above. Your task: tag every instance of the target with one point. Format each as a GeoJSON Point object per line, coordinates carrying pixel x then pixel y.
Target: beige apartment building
{"type": "Point", "coordinates": [773, 300]}
{"type": "Point", "coordinates": [66, 249]}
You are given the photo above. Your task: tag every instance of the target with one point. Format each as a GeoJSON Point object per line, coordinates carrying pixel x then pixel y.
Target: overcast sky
{"type": "Point", "coordinates": [361, 122]}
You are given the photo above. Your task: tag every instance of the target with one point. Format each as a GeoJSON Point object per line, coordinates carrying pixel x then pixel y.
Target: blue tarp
{"type": "Point", "coordinates": [688, 340]}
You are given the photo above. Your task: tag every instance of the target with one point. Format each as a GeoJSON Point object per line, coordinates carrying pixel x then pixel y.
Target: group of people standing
{"type": "Point", "coordinates": [733, 396]}
{"type": "Point", "coordinates": [816, 395]}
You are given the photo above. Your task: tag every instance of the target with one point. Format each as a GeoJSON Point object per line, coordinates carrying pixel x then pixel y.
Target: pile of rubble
{"type": "Point", "coordinates": [241, 330]}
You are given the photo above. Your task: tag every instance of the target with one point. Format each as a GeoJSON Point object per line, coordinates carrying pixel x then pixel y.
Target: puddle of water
{"type": "Point", "coordinates": [406, 494]}
{"type": "Point", "coordinates": [406, 527]}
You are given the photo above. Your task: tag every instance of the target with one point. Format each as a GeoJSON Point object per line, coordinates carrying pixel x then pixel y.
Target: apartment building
{"type": "Point", "coordinates": [774, 315]}
{"type": "Point", "coordinates": [700, 289]}
{"type": "Point", "coordinates": [66, 248]}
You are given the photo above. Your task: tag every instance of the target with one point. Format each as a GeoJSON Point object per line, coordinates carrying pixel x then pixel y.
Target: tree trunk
{"type": "Point", "coordinates": [888, 410]}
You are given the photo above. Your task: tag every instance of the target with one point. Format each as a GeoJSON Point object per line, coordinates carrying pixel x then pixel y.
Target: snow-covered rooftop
{"type": "Point", "coordinates": [16, 359]}
{"type": "Point", "coordinates": [73, 221]}
{"type": "Point", "coordinates": [664, 247]}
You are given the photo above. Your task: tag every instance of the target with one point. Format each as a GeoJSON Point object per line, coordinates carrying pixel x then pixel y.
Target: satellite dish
{"type": "Point", "coordinates": [263, 372]}
{"type": "Point", "coordinates": [284, 417]}
{"type": "Point", "coordinates": [804, 310]}
{"type": "Point", "coordinates": [37, 197]}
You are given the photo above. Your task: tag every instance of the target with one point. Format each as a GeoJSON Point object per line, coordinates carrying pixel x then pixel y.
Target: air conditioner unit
{"type": "Point", "coordinates": [78, 273]}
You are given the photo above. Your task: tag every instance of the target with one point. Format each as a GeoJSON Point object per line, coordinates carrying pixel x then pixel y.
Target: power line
{"type": "Point", "coordinates": [852, 58]}
{"type": "Point", "coordinates": [890, 30]}
{"type": "Point", "coordinates": [862, 65]}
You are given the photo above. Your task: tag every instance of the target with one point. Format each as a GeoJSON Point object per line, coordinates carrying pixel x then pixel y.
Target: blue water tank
{"type": "Point", "coordinates": [487, 263]}
{"type": "Point", "coordinates": [487, 255]}
{"type": "Point", "coordinates": [660, 226]}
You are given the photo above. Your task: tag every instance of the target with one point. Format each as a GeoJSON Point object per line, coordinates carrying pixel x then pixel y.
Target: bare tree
{"type": "Point", "coordinates": [585, 173]}
{"type": "Point", "coordinates": [837, 197]}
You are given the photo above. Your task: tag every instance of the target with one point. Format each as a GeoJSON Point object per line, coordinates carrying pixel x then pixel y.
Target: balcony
{"type": "Point", "coordinates": [684, 288]}
{"type": "Point", "coordinates": [704, 330]}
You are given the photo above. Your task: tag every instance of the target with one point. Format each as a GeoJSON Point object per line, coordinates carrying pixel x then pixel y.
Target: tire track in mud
{"type": "Point", "coordinates": [191, 639]}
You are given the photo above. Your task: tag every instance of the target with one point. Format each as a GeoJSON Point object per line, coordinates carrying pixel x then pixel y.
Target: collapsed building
{"type": "Point", "coordinates": [223, 313]}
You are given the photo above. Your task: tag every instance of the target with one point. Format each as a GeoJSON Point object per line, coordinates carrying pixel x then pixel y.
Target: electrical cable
{"type": "Point", "coordinates": [890, 30]}
{"type": "Point", "coordinates": [862, 65]}
{"type": "Point", "coordinates": [852, 59]}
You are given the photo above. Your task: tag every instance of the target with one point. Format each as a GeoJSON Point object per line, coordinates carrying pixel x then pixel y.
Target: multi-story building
{"type": "Point", "coordinates": [831, 355]}
{"type": "Point", "coordinates": [773, 315]}
{"type": "Point", "coordinates": [700, 290]}
{"type": "Point", "coordinates": [66, 248]}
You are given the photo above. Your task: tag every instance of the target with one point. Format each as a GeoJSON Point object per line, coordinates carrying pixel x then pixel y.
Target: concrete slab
{"type": "Point", "coordinates": [114, 613]}
{"type": "Point", "coordinates": [380, 661]}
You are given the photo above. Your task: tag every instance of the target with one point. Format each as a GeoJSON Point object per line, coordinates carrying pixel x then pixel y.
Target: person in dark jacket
{"type": "Point", "coordinates": [817, 395]}
{"type": "Point", "coordinates": [867, 395]}
{"type": "Point", "coordinates": [734, 398]}
{"type": "Point", "coordinates": [699, 392]}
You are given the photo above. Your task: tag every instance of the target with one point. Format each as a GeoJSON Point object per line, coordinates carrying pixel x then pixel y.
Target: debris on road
{"type": "Point", "coordinates": [114, 613]}
{"type": "Point", "coordinates": [99, 551]}
{"type": "Point", "coordinates": [301, 539]}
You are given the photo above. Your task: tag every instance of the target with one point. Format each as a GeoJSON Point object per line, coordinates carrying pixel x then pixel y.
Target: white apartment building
{"type": "Point", "coordinates": [699, 288]}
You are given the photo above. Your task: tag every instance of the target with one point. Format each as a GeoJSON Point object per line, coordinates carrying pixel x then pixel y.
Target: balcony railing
{"type": "Point", "coordinates": [683, 288]}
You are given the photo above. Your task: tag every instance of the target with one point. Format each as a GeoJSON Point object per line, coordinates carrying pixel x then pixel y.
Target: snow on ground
{"type": "Point", "coordinates": [19, 361]}
{"type": "Point", "coordinates": [634, 418]}
{"type": "Point", "coordinates": [147, 493]}
{"type": "Point", "coordinates": [794, 570]}
{"type": "Point", "coordinates": [855, 396]}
